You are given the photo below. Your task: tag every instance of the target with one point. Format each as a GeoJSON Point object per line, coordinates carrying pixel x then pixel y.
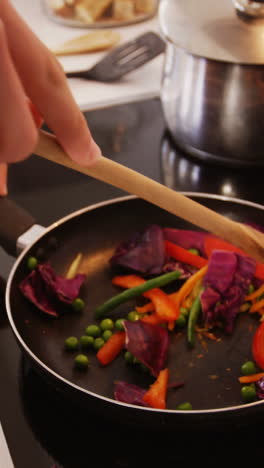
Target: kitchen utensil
{"type": "Point", "coordinates": [124, 59]}
{"type": "Point", "coordinates": [212, 83]}
{"type": "Point", "coordinates": [122, 177]}
{"type": "Point", "coordinates": [5, 457]}
{"type": "Point", "coordinates": [211, 381]}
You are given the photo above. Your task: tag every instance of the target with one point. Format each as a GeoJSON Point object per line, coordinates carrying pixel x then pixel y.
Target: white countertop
{"type": "Point", "coordinates": [141, 84]}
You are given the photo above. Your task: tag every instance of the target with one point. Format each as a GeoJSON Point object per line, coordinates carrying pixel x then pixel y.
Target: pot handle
{"type": "Point", "coordinates": [14, 221]}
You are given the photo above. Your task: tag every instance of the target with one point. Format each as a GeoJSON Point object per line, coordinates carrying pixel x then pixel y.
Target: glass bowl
{"type": "Point", "coordinates": [100, 13]}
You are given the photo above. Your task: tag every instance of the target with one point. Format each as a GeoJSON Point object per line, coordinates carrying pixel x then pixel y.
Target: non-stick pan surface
{"type": "Point", "coordinates": [210, 373]}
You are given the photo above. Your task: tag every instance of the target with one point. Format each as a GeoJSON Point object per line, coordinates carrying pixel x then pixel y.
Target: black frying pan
{"type": "Point", "coordinates": [211, 378]}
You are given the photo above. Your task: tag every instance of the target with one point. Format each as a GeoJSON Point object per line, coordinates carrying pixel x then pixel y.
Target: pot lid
{"type": "Point", "coordinates": [212, 29]}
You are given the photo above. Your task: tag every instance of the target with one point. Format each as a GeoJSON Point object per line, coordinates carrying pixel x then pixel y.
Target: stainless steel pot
{"type": "Point", "coordinates": [212, 88]}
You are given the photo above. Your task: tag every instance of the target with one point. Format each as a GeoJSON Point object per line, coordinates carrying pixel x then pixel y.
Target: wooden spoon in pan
{"type": "Point", "coordinates": [106, 170]}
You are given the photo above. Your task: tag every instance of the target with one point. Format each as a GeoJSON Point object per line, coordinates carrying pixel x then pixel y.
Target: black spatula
{"type": "Point", "coordinates": [124, 59]}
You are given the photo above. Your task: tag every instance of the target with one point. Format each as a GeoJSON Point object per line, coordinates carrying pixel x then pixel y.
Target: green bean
{"type": "Point", "coordinates": [131, 293]}
{"type": "Point", "coordinates": [192, 320]}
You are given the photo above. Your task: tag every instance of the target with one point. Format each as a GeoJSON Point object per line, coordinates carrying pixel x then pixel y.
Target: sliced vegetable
{"type": "Point", "coordinates": [148, 343]}
{"type": "Point", "coordinates": [192, 320]}
{"type": "Point", "coordinates": [143, 252]}
{"type": "Point", "coordinates": [251, 378]}
{"type": "Point", "coordinates": [49, 291]}
{"type": "Point", "coordinates": [260, 388]}
{"type": "Point", "coordinates": [258, 346]}
{"type": "Point", "coordinates": [257, 306]}
{"type": "Point", "coordinates": [214, 243]}
{"type": "Point", "coordinates": [184, 255]}
{"type": "Point", "coordinates": [226, 284]}
{"type": "Point", "coordinates": [156, 395]}
{"type": "Point", "coordinates": [128, 294]}
{"type": "Point", "coordinates": [187, 287]}
{"type": "Point", "coordinates": [74, 266]}
{"type": "Point", "coordinates": [129, 393]}
{"type": "Point", "coordinates": [255, 294]}
{"type": "Point", "coordinates": [186, 238]}
{"type": "Point", "coordinates": [164, 306]}
{"type": "Point", "coordinates": [111, 348]}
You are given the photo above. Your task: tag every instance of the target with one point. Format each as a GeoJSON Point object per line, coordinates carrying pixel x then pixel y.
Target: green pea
{"type": "Point", "coordinates": [248, 393]}
{"type": "Point", "coordinates": [129, 358]}
{"type": "Point", "coordinates": [251, 289]}
{"type": "Point", "coordinates": [132, 316]}
{"type": "Point", "coordinates": [107, 324]}
{"type": "Point", "coordinates": [248, 368]}
{"type": "Point", "coordinates": [119, 325]}
{"type": "Point", "coordinates": [194, 251]}
{"type": "Point", "coordinates": [184, 311]}
{"type": "Point", "coordinates": [106, 334]}
{"type": "Point", "coordinates": [78, 304]}
{"type": "Point", "coordinates": [32, 263]}
{"type": "Point", "coordinates": [81, 361]}
{"type": "Point", "coordinates": [186, 406]}
{"type": "Point", "coordinates": [98, 343]}
{"type": "Point", "coordinates": [181, 321]}
{"type": "Point", "coordinates": [71, 343]}
{"type": "Point", "coordinates": [86, 341]}
{"type": "Point", "coordinates": [93, 330]}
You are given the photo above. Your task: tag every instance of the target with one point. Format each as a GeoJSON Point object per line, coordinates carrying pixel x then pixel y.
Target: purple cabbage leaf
{"type": "Point", "coordinates": [148, 343]}
{"type": "Point", "coordinates": [186, 238]}
{"type": "Point", "coordinates": [260, 388]}
{"type": "Point", "coordinates": [226, 284]}
{"type": "Point", "coordinates": [143, 252]}
{"type": "Point", "coordinates": [129, 393]}
{"type": "Point", "coordinates": [49, 291]}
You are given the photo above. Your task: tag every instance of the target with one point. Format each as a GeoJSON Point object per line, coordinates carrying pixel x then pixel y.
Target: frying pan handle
{"type": "Point", "coordinates": [14, 222]}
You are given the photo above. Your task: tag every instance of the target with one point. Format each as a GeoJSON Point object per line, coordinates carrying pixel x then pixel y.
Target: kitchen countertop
{"type": "Point", "coordinates": [141, 84]}
{"type": "Point", "coordinates": [42, 429]}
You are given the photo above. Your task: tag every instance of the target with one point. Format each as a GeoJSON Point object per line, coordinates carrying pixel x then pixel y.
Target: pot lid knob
{"type": "Point", "coordinates": [225, 30]}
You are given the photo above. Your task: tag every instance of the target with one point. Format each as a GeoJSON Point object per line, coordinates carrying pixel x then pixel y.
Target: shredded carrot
{"type": "Point", "coordinates": [251, 378]}
{"type": "Point", "coordinates": [255, 294]}
{"type": "Point", "coordinates": [188, 286]}
{"type": "Point", "coordinates": [257, 306]}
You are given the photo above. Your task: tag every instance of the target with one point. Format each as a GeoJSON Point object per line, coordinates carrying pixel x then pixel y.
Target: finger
{"type": "Point", "coordinates": [3, 179]}
{"type": "Point", "coordinates": [18, 135]}
{"type": "Point", "coordinates": [46, 85]}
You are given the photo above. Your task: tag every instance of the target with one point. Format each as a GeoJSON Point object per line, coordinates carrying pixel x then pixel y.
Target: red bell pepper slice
{"type": "Point", "coordinates": [165, 307]}
{"type": "Point", "coordinates": [183, 255]}
{"type": "Point", "coordinates": [155, 396]}
{"type": "Point", "coordinates": [214, 243]}
{"type": "Point", "coordinates": [112, 347]}
{"type": "Point", "coordinates": [258, 346]}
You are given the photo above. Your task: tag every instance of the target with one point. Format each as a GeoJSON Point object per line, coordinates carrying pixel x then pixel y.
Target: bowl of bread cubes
{"type": "Point", "coordinates": [100, 13]}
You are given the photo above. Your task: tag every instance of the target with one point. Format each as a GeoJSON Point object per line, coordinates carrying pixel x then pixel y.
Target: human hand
{"type": "Point", "coordinates": [28, 68]}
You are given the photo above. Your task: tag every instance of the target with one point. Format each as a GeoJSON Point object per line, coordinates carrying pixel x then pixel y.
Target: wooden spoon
{"type": "Point", "coordinates": [106, 170]}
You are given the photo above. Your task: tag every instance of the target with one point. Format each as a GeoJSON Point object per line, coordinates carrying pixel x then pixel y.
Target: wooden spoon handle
{"type": "Point", "coordinates": [130, 181]}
